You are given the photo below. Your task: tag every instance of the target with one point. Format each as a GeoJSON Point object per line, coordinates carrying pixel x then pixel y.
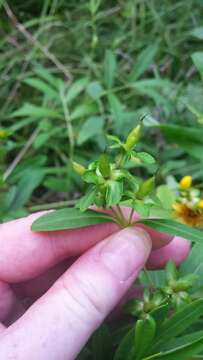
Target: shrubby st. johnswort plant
{"type": "Point", "coordinates": [167, 310]}
{"type": "Point", "coordinates": [112, 185]}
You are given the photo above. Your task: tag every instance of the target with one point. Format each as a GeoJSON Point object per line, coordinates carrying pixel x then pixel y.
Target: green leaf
{"type": "Point", "coordinates": [70, 218]}
{"type": "Point", "coordinates": [144, 334]}
{"type": "Point", "coordinates": [114, 192]}
{"type": "Point", "coordinates": [28, 183]}
{"type": "Point", "coordinates": [93, 126]}
{"type": "Point", "coordinates": [144, 60]}
{"type": "Point", "coordinates": [198, 32]}
{"type": "Point", "coordinates": [43, 87]}
{"type": "Point", "coordinates": [180, 353]}
{"type": "Point", "coordinates": [174, 228]}
{"type": "Point", "coordinates": [166, 196]}
{"type": "Point", "coordinates": [141, 208]}
{"type": "Point", "coordinates": [197, 58]}
{"type": "Point", "coordinates": [126, 349]}
{"type": "Point", "coordinates": [160, 314]}
{"type": "Point", "coordinates": [179, 322]}
{"type": "Point", "coordinates": [104, 165]}
{"type": "Point", "coordinates": [145, 158]}
{"type": "Point", "coordinates": [95, 90]}
{"type": "Point", "coordinates": [45, 74]}
{"type": "Point", "coordinates": [190, 139]}
{"type": "Point", "coordinates": [1, 3]}
{"type": "Point", "coordinates": [182, 340]}
{"type": "Point", "coordinates": [76, 88]}
{"type": "Point", "coordinates": [117, 110]}
{"type": "Point", "coordinates": [109, 68]}
{"type": "Point", "coordinates": [90, 177]}
{"type": "Point", "coordinates": [88, 199]}
{"type": "Point", "coordinates": [83, 110]}
{"type": "Point", "coordinates": [194, 263]}
{"type": "Point", "coordinates": [35, 111]}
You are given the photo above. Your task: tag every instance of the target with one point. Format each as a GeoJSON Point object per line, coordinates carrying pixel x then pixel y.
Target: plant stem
{"type": "Point", "coordinates": [121, 213]}
{"type": "Point", "coordinates": [68, 122]}
{"type": "Point", "coordinates": [131, 216]}
{"type": "Point", "coordinates": [117, 216]}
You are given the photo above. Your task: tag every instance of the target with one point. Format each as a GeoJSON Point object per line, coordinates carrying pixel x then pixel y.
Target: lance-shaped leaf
{"type": "Point", "coordinates": [70, 218]}
{"type": "Point", "coordinates": [174, 228]}
{"type": "Point", "coordinates": [181, 352]}
{"type": "Point", "coordinates": [114, 192]}
{"type": "Point", "coordinates": [179, 322]}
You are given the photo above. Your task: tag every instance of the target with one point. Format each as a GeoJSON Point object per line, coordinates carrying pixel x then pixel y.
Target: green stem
{"type": "Point", "coordinates": [121, 213]}
{"type": "Point", "coordinates": [131, 216]}
{"type": "Point", "coordinates": [118, 218]}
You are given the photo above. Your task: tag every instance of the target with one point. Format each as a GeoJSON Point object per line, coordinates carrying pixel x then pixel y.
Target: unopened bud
{"type": "Point", "coordinates": [133, 138]}
{"type": "Point", "coordinates": [79, 169]}
{"type": "Point", "coordinates": [104, 166]}
{"type": "Point", "coordinates": [146, 187]}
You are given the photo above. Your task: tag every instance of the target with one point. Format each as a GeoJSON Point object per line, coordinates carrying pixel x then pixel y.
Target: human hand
{"type": "Point", "coordinates": [68, 302]}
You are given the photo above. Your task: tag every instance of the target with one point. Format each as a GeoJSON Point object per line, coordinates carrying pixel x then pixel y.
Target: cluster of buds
{"type": "Point", "coordinates": [174, 295]}
{"type": "Point", "coordinates": [109, 180]}
{"type": "Point", "coordinates": [188, 206]}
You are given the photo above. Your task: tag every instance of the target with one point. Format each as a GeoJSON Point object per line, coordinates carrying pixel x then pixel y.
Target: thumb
{"type": "Point", "coordinates": [61, 322]}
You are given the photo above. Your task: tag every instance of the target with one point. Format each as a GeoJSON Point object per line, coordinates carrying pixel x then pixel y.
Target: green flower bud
{"type": "Point", "coordinates": [146, 187]}
{"type": "Point", "coordinates": [104, 166]}
{"type": "Point", "coordinates": [185, 283]}
{"type": "Point", "coordinates": [79, 169]}
{"type": "Point", "coordinates": [133, 138]}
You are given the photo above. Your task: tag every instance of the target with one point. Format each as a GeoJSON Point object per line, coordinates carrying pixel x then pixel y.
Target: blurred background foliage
{"type": "Point", "coordinates": [70, 72]}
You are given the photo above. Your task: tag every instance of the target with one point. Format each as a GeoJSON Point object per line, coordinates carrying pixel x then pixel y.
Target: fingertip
{"type": "Point", "coordinates": [177, 250]}
{"type": "Point", "coordinates": [126, 252]}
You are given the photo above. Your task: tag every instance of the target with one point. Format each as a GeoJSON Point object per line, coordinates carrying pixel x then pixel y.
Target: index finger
{"type": "Point", "coordinates": [25, 254]}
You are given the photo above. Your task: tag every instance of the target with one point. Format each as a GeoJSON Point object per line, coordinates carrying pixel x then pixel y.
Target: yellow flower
{"type": "Point", "coordinates": [187, 215]}
{"type": "Point", "coordinates": [200, 204]}
{"type": "Point", "coordinates": [186, 182]}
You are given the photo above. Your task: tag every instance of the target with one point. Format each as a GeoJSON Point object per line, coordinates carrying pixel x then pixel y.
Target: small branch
{"type": "Point", "coordinates": [21, 28]}
{"type": "Point", "coordinates": [21, 154]}
{"type": "Point", "coordinates": [68, 123]}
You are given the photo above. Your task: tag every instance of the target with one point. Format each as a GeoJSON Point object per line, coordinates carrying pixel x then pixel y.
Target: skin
{"type": "Point", "coordinates": [57, 288]}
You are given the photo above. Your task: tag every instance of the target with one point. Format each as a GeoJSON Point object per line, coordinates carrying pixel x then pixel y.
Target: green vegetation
{"type": "Point", "coordinates": [73, 72]}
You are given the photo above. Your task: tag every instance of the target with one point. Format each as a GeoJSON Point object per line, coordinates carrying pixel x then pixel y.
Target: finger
{"type": "Point", "coordinates": [7, 300]}
{"type": "Point", "coordinates": [26, 254]}
{"type": "Point", "coordinates": [10, 306]}
{"type": "Point", "coordinates": [62, 321]}
{"type": "Point", "coordinates": [2, 328]}
{"type": "Point", "coordinates": [177, 250]}
{"type": "Point", "coordinates": [39, 285]}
